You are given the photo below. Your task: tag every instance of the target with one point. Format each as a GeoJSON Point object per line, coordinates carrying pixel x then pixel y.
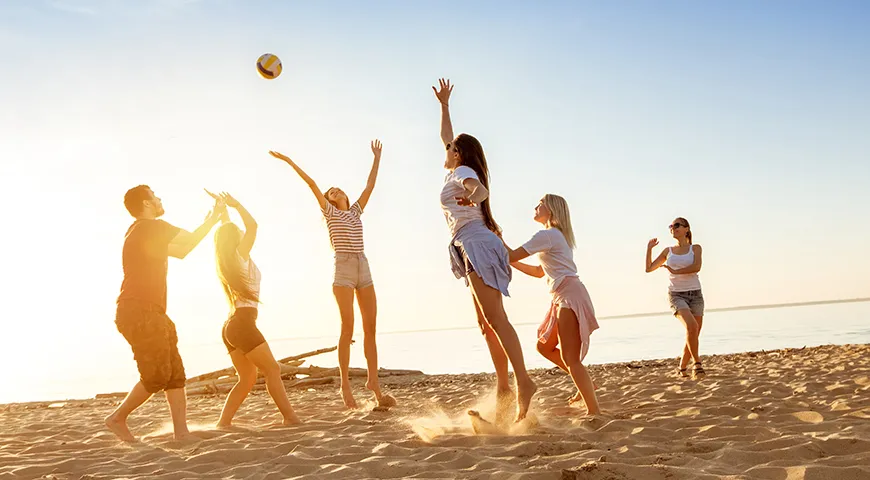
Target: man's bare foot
{"type": "Point", "coordinates": [525, 391]}
{"type": "Point", "coordinates": [118, 426]}
{"type": "Point", "coordinates": [347, 396]}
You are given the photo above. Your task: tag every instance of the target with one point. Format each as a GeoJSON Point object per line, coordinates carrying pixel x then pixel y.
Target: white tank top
{"type": "Point", "coordinates": [684, 282]}
{"type": "Point", "coordinates": [251, 276]}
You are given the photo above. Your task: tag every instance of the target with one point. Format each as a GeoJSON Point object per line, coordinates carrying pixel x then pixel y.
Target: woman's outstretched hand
{"type": "Point", "coordinates": [443, 92]}
{"type": "Point", "coordinates": [280, 156]}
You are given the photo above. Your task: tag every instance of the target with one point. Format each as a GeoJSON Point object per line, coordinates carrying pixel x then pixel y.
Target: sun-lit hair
{"type": "Point", "coordinates": [688, 227]}
{"type": "Point", "coordinates": [229, 269]}
{"type": "Point", "coordinates": [471, 155]}
{"type": "Point", "coordinates": [135, 198]}
{"type": "Point", "coordinates": [560, 217]}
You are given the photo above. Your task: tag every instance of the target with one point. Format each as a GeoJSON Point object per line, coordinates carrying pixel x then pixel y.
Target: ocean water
{"type": "Point", "coordinates": [464, 350]}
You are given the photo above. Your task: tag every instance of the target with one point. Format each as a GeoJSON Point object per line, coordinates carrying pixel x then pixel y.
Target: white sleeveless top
{"type": "Point", "coordinates": [251, 276]}
{"type": "Point", "coordinates": [684, 282]}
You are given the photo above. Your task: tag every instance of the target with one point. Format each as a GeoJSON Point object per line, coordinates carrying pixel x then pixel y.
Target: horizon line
{"type": "Point", "coordinates": [650, 314]}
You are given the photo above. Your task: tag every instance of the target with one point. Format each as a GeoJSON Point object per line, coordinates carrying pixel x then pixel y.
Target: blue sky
{"type": "Point", "coordinates": [750, 119]}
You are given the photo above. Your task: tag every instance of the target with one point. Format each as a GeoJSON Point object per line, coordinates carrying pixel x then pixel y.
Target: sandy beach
{"type": "Point", "coordinates": [786, 415]}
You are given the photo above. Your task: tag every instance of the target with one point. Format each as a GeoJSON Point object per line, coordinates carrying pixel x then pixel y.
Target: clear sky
{"type": "Point", "coordinates": [750, 119]}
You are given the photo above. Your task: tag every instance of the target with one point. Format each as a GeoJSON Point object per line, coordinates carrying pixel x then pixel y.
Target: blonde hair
{"type": "Point", "coordinates": [560, 217]}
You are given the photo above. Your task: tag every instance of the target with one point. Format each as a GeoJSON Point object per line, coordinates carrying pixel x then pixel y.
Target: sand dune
{"type": "Point", "coordinates": [780, 415]}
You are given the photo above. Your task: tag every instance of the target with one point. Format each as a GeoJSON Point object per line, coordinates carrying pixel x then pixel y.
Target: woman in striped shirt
{"type": "Point", "coordinates": [352, 274]}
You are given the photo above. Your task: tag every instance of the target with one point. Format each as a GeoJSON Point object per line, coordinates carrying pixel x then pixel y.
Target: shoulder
{"type": "Point", "coordinates": [696, 248]}
{"type": "Point", "coordinates": [356, 209]}
{"type": "Point", "coordinates": [327, 209]}
{"type": "Point", "coordinates": [464, 172]}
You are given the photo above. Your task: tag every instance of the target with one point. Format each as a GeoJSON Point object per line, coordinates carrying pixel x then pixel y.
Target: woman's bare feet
{"type": "Point", "coordinates": [347, 396]}
{"type": "Point", "coordinates": [118, 426]}
{"type": "Point", "coordinates": [292, 420]}
{"type": "Point", "coordinates": [525, 391]}
{"type": "Point", "coordinates": [384, 400]}
{"type": "Point", "coordinates": [576, 398]}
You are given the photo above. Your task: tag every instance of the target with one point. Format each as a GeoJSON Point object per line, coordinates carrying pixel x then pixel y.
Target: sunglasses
{"type": "Point", "coordinates": [676, 225]}
{"type": "Point", "coordinates": [454, 148]}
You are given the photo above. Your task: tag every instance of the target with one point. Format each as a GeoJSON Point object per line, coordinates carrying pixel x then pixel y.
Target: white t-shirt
{"type": "Point", "coordinates": [251, 276]}
{"type": "Point", "coordinates": [457, 216]}
{"type": "Point", "coordinates": [556, 257]}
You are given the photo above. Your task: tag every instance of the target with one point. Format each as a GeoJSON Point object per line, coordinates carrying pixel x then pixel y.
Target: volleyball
{"type": "Point", "coordinates": [269, 66]}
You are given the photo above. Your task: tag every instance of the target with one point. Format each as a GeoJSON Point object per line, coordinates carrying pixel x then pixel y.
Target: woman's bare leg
{"type": "Point", "coordinates": [262, 357]}
{"type": "Point", "coordinates": [687, 354]}
{"type": "Point", "coordinates": [344, 298]}
{"type": "Point", "coordinates": [247, 373]}
{"type": "Point", "coordinates": [490, 301]}
{"type": "Point", "coordinates": [550, 350]}
{"type": "Point", "coordinates": [368, 307]}
{"type": "Point", "coordinates": [569, 338]}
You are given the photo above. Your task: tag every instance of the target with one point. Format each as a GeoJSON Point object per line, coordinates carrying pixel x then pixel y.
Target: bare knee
{"type": "Point", "coordinates": [497, 321]}
{"type": "Point", "coordinates": [543, 348]}
{"type": "Point", "coordinates": [247, 380]}
{"type": "Point", "coordinates": [270, 368]}
{"type": "Point", "coordinates": [369, 329]}
{"type": "Point", "coordinates": [570, 358]}
{"type": "Point", "coordinates": [346, 331]}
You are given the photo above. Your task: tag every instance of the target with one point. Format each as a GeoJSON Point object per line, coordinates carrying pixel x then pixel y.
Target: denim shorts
{"type": "Point", "coordinates": [352, 270]}
{"type": "Point", "coordinates": [692, 300]}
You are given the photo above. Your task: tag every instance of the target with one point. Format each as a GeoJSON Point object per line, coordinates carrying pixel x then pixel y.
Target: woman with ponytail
{"type": "Point", "coordinates": [570, 319]}
{"type": "Point", "coordinates": [478, 255]}
{"type": "Point", "coordinates": [683, 261]}
{"type": "Point", "coordinates": [247, 347]}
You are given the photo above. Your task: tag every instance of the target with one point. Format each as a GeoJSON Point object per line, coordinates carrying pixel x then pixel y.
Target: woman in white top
{"type": "Point", "coordinates": [248, 349]}
{"type": "Point", "coordinates": [478, 255]}
{"type": "Point", "coordinates": [684, 292]}
{"type": "Point", "coordinates": [351, 275]}
{"type": "Point", "coordinates": [570, 320]}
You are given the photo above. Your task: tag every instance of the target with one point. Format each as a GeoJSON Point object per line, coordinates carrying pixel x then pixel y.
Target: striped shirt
{"type": "Point", "coordinates": [345, 228]}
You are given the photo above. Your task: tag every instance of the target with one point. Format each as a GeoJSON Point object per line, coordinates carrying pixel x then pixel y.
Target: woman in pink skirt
{"type": "Point", "coordinates": [571, 318]}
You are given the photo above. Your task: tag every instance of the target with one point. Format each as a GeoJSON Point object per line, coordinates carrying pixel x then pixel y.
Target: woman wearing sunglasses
{"type": "Point", "coordinates": [478, 255]}
{"type": "Point", "coordinates": [684, 292]}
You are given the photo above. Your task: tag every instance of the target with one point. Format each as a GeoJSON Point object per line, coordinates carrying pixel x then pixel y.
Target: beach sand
{"type": "Point", "coordinates": [787, 415]}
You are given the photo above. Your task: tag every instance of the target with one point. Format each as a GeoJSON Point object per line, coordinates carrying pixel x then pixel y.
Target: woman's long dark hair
{"type": "Point", "coordinates": [471, 155]}
{"type": "Point", "coordinates": [229, 269]}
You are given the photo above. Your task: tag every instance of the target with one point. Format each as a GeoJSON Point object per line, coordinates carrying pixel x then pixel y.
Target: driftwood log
{"type": "Point", "coordinates": [222, 381]}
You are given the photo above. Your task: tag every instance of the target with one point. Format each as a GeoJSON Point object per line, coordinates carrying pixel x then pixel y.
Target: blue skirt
{"type": "Point", "coordinates": [476, 248]}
